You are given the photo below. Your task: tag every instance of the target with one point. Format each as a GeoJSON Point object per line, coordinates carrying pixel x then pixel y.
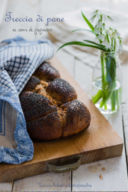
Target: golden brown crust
{"type": "Point", "coordinates": [32, 83]}
{"type": "Point", "coordinates": [46, 72]}
{"type": "Point", "coordinates": [46, 128]}
{"type": "Point", "coordinates": [61, 90]}
{"type": "Point", "coordinates": [51, 107]}
{"type": "Point", "coordinates": [77, 117]}
{"type": "Point", "coordinates": [35, 105]}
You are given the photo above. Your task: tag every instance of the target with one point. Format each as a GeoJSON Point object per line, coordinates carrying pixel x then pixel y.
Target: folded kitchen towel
{"type": "Point", "coordinates": [18, 60]}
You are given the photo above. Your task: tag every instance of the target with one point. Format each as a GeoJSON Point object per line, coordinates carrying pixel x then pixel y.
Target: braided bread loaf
{"type": "Point", "coordinates": [51, 107]}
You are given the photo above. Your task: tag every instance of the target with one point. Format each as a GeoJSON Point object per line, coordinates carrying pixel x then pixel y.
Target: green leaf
{"type": "Point", "coordinates": [110, 18]}
{"type": "Point", "coordinates": [95, 14]}
{"type": "Point", "coordinates": [107, 37]}
{"type": "Point", "coordinates": [80, 43]}
{"type": "Point", "coordinates": [111, 69]}
{"type": "Point", "coordinates": [98, 44]}
{"type": "Point", "coordinates": [93, 17]}
{"type": "Point", "coordinates": [88, 22]}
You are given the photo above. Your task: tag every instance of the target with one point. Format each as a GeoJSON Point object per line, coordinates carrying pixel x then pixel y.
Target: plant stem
{"type": "Point", "coordinates": [102, 69]}
{"type": "Point", "coordinates": [108, 94]}
{"type": "Point", "coordinates": [97, 97]}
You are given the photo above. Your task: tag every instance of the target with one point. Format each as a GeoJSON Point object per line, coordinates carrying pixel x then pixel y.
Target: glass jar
{"type": "Point", "coordinates": [106, 85]}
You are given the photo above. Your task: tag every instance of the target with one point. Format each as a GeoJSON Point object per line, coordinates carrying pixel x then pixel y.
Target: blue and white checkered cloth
{"type": "Point", "coordinates": [18, 60]}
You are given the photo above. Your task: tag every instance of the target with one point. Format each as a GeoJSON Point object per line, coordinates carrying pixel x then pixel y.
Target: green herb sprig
{"type": "Point", "coordinates": [108, 41]}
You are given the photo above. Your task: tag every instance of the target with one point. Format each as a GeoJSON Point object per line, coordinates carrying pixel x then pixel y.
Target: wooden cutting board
{"type": "Point", "coordinates": [99, 142]}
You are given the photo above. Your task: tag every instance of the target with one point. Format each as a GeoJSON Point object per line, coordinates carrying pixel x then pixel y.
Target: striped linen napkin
{"type": "Point", "coordinates": [18, 61]}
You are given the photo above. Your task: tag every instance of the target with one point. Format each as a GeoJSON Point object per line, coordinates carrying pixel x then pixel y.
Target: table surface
{"type": "Point", "coordinates": [107, 175]}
